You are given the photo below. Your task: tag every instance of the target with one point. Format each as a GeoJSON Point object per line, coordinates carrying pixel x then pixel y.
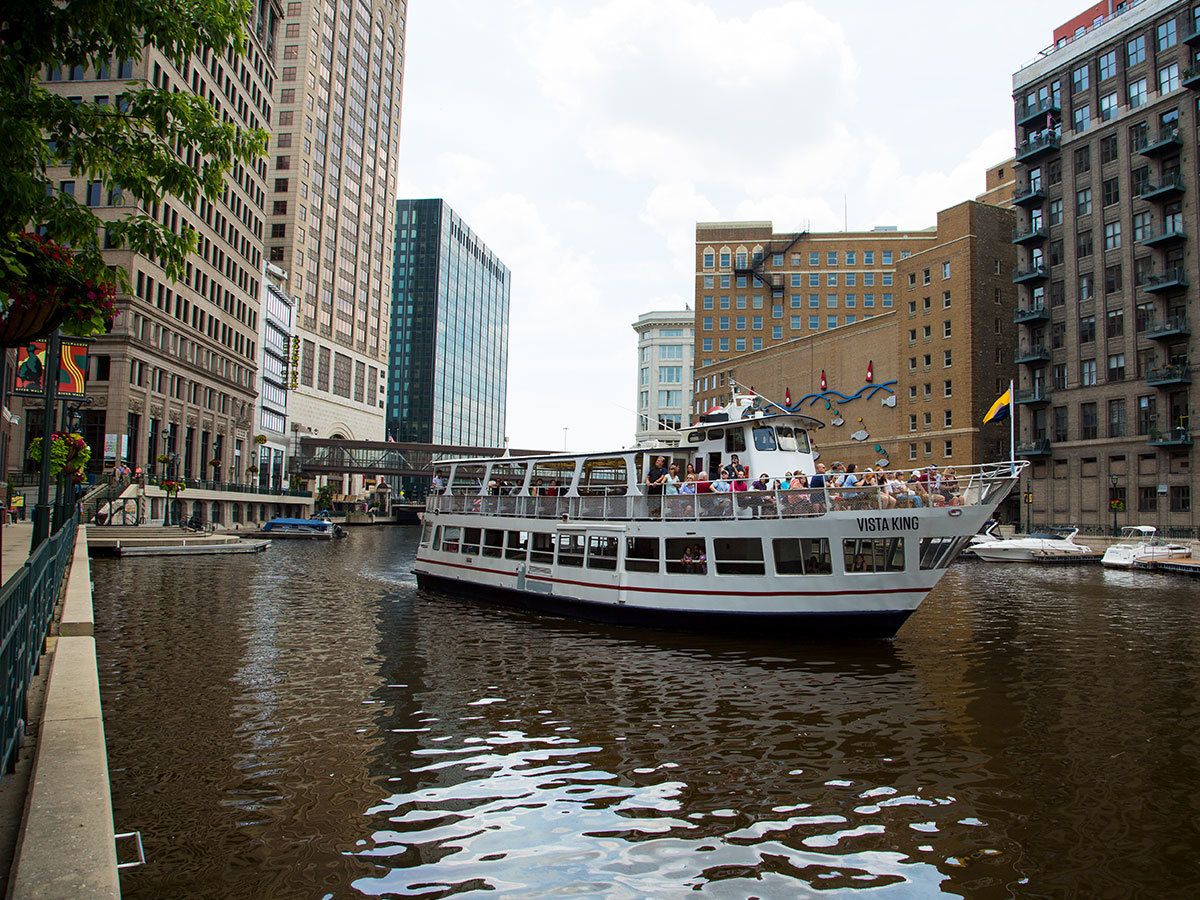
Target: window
{"type": "Point", "coordinates": [708, 259]}
{"type": "Point", "coordinates": [814, 279]}
{"type": "Point", "coordinates": [1060, 423]}
{"type": "Point", "coordinates": [873, 555]}
{"type": "Point", "coordinates": [1083, 160]}
{"type": "Point", "coordinates": [1137, 93]}
{"type": "Point", "coordinates": [1108, 65]}
{"type": "Point", "coordinates": [1116, 367]}
{"type": "Point", "coordinates": [1108, 149]}
{"type": "Point", "coordinates": [670, 351]}
{"type": "Point", "coordinates": [1087, 329]}
{"type": "Point", "coordinates": [1140, 180]}
{"type": "Point", "coordinates": [948, 388]}
{"type": "Point", "coordinates": [1079, 79]}
{"type": "Point", "coordinates": [887, 257]}
{"type": "Point", "coordinates": [1088, 426]}
{"type": "Point", "coordinates": [1148, 499]}
{"type": "Point", "coordinates": [1135, 51]}
{"type": "Point", "coordinates": [1112, 235]}
{"type": "Point", "coordinates": [802, 556]}
{"type": "Point", "coordinates": [1114, 324]}
{"type": "Point", "coordinates": [1116, 418]}
{"type": "Point", "coordinates": [1083, 117]}
{"type": "Point", "coordinates": [669, 374]}
{"type": "Point", "coordinates": [1056, 208]}
{"type": "Point", "coordinates": [1111, 191]}
{"type": "Point", "coordinates": [814, 258]}
{"type": "Point", "coordinates": [738, 556]}
{"type": "Point", "coordinates": [1168, 78]}
{"type": "Point", "coordinates": [831, 258]}
{"type": "Point", "coordinates": [945, 299]}
{"type": "Point", "coordinates": [945, 270]}
{"type": "Point", "coordinates": [1181, 498]}
{"type": "Point", "coordinates": [670, 398]}
{"type": "Point", "coordinates": [1087, 372]}
{"type": "Point", "coordinates": [1141, 226]}
{"type": "Point", "coordinates": [1167, 35]}
{"type": "Point", "coordinates": [1083, 202]}
{"type": "Point", "coordinates": [642, 554]}
{"type": "Point", "coordinates": [946, 359]}
{"type": "Point", "coordinates": [948, 419]}
{"type": "Point", "coordinates": [831, 279]}
{"type": "Point", "coordinates": [1083, 244]}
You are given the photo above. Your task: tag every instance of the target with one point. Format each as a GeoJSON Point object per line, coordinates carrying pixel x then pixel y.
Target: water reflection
{"type": "Point", "coordinates": [307, 723]}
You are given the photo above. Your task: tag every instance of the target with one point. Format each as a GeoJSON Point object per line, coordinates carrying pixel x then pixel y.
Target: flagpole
{"type": "Point", "coordinates": [1012, 427]}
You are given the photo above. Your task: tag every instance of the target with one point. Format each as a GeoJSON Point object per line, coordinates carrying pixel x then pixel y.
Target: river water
{"type": "Point", "coordinates": [305, 723]}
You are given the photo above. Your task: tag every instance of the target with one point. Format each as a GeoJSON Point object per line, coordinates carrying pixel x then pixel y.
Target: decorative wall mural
{"type": "Point", "coordinates": [829, 397]}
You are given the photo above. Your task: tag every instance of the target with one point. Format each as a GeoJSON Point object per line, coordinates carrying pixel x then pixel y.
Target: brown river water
{"type": "Point", "coordinates": [305, 723]}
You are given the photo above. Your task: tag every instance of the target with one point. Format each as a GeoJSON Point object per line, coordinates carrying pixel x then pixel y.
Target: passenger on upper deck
{"type": "Point", "coordinates": [656, 477]}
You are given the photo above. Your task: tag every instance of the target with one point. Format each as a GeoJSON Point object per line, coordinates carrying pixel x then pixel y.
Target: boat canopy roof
{"type": "Point", "coordinates": [316, 523]}
{"type": "Point", "coordinates": [1139, 531]}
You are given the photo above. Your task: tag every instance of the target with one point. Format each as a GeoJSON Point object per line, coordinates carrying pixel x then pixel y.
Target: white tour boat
{"type": "Point", "coordinates": [1141, 544]}
{"type": "Point", "coordinates": [1039, 545]}
{"type": "Point", "coordinates": [579, 535]}
{"type": "Point", "coordinates": [281, 528]}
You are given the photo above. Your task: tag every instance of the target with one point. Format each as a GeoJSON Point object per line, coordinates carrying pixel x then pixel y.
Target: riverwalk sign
{"type": "Point", "coordinates": [72, 369]}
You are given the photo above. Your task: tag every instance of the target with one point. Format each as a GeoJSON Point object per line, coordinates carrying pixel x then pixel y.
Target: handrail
{"type": "Point", "coordinates": [975, 486]}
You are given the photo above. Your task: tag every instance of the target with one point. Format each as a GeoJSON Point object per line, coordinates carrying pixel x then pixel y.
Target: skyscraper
{"type": "Point", "coordinates": [449, 360]}
{"type": "Point", "coordinates": [336, 133]}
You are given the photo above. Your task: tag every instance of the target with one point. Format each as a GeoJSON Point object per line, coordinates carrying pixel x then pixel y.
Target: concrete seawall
{"type": "Point", "coordinates": [66, 847]}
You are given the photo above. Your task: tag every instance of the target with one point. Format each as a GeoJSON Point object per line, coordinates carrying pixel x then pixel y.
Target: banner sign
{"type": "Point", "coordinates": [72, 369]}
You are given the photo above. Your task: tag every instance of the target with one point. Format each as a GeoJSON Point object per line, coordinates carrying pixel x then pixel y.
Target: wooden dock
{"type": "Point", "coordinates": [1189, 567]}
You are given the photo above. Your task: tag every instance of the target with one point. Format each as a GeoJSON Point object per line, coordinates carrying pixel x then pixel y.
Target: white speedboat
{"type": "Point", "coordinates": [1141, 544]}
{"type": "Point", "coordinates": [581, 535]}
{"type": "Point", "coordinates": [302, 529]}
{"type": "Point", "coordinates": [1039, 545]}
{"type": "Point", "coordinates": [989, 532]}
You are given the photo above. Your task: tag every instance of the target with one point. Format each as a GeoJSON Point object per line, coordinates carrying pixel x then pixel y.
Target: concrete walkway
{"type": "Point", "coordinates": [16, 548]}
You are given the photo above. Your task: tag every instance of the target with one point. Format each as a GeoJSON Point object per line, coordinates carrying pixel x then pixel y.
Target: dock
{"type": "Point", "coordinates": [1190, 567]}
{"type": "Point", "coordinates": [116, 540]}
{"type": "Point", "coordinates": [1074, 559]}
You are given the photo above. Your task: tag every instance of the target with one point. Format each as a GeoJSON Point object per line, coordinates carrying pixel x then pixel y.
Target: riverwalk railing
{"type": "Point", "coordinates": [27, 603]}
{"type": "Point", "coordinates": [979, 486]}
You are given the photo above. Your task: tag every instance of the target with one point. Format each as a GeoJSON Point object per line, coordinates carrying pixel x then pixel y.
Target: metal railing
{"type": "Point", "coordinates": [27, 603]}
{"type": "Point", "coordinates": [971, 486]}
{"type": "Point", "coordinates": [228, 486]}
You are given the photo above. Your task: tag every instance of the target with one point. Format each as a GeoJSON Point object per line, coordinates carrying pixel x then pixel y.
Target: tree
{"type": "Point", "coordinates": [137, 148]}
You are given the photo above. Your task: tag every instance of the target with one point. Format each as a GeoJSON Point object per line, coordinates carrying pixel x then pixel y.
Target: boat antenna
{"type": "Point", "coordinates": [646, 417]}
{"type": "Point", "coordinates": [760, 394]}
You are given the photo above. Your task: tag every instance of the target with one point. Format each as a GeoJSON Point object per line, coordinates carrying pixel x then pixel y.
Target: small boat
{"type": "Point", "coordinates": [302, 529]}
{"type": "Point", "coordinates": [1141, 544]}
{"type": "Point", "coordinates": [1040, 545]}
{"type": "Point", "coordinates": [989, 532]}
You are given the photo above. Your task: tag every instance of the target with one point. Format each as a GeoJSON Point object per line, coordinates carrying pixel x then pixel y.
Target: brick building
{"type": "Point", "coordinates": [940, 353]}
{"type": "Point", "coordinates": [1106, 134]}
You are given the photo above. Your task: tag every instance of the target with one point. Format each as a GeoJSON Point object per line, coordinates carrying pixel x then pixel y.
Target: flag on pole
{"type": "Point", "coordinates": [1001, 408]}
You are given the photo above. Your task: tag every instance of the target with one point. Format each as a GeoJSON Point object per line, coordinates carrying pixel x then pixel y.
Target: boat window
{"type": "Point", "coordinates": [602, 552]}
{"type": "Point", "coordinates": [735, 440]}
{"type": "Point", "coordinates": [764, 437]}
{"type": "Point", "coordinates": [641, 554]}
{"type": "Point", "coordinates": [570, 550]}
{"type": "Point", "coordinates": [493, 543]}
{"type": "Point", "coordinates": [468, 478]}
{"type": "Point", "coordinates": [789, 438]}
{"type": "Point", "coordinates": [686, 556]}
{"type": "Point", "coordinates": [870, 555]}
{"type": "Point", "coordinates": [518, 541]}
{"type": "Point", "coordinates": [452, 539]}
{"type": "Point", "coordinates": [509, 475]}
{"type": "Point", "coordinates": [437, 538]}
{"type": "Point", "coordinates": [552, 473]}
{"type": "Point", "coordinates": [603, 476]}
{"type": "Point", "coordinates": [738, 556]}
{"type": "Point", "coordinates": [426, 534]}
{"type": "Point", "coordinates": [802, 556]}
{"type": "Point", "coordinates": [939, 552]}
{"type": "Point", "coordinates": [695, 437]}
{"type": "Point", "coordinates": [471, 540]}
{"type": "Point", "coordinates": [716, 434]}
{"type": "Point", "coordinates": [541, 547]}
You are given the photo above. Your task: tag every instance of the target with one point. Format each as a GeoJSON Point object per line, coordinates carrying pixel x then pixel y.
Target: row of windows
{"type": "Point", "coordinates": [692, 555]}
{"type": "Point", "coordinates": [743, 259]}
{"type": "Point", "coordinates": [1056, 425]}
{"type": "Point", "coordinates": [795, 301]}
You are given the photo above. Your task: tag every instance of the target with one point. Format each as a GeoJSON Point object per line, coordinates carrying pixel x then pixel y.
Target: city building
{"type": "Point", "coordinates": [1000, 185]}
{"type": "Point", "coordinates": [911, 384]}
{"type": "Point", "coordinates": [334, 145]}
{"type": "Point", "coordinates": [756, 288]}
{"type": "Point", "coordinates": [448, 372]}
{"type": "Point", "coordinates": [277, 353]}
{"type": "Point", "coordinates": [177, 375]}
{"type": "Point", "coordinates": [665, 352]}
{"type": "Point", "coordinates": [1106, 131]}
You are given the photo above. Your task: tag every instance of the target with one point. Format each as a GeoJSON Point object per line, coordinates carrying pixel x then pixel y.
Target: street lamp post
{"type": "Point", "coordinates": [1112, 502]}
{"type": "Point", "coordinates": [1029, 509]}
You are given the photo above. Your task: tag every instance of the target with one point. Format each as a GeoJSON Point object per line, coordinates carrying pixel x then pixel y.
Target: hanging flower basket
{"type": "Point", "coordinates": [1117, 506]}
{"type": "Point", "coordinates": [68, 452]}
{"type": "Point", "coordinates": [46, 289]}
{"type": "Point", "coordinates": [172, 486]}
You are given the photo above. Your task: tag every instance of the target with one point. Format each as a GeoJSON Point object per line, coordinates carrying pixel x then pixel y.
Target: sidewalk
{"type": "Point", "coordinates": [16, 548]}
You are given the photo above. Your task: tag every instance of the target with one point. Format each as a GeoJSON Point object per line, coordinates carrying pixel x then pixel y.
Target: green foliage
{"type": "Point", "coordinates": [135, 147]}
{"type": "Point", "coordinates": [325, 497]}
{"type": "Point", "coordinates": [69, 452]}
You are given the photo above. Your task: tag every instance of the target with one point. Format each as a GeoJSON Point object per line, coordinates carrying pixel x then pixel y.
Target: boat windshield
{"type": "Point", "coordinates": [1047, 536]}
{"type": "Point", "coordinates": [794, 439]}
{"type": "Point", "coordinates": [764, 437]}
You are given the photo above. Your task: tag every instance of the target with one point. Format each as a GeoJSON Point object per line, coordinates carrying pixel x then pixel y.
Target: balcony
{"type": "Point", "coordinates": [1036, 354]}
{"type": "Point", "coordinates": [1191, 77]}
{"type": "Point", "coordinates": [1029, 196]}
{"type": "Point", "coordinates": [1029, 234]}
{"type": "Point", "coordinates": [1034, 396]}
{"type": "Point", "coordinates": [1176, 437]}
{"type": "Point", "coordinates": [1169, 234]}
{"type": "Point", "coordinates": [1166, 376]}
{"type": "Point", "coordinates": [1030, 275]}
{"type": "Point", "coordinates": [1040, 145]}
{"type": "Point", "coordinates": [1026, 315]}
{"type": "Point", "coordinates": [1040, 447]}
{"type": "Point", "coordinates": [1191, 37]}
{"type": "Point", "coordinates": [1169, 281]}
{"type": "Point", "coordinates": [1168, 187]}
{"type": "Point", "coordinates": [1167, 141]}
{"type": "Point", "coordinates": [1171, 327]}
{"type": "Point", "coordinates": [1032, 112]}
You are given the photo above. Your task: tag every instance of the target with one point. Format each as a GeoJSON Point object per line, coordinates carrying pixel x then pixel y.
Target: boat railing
{"type": "Point", "coordinates": [975, 486]}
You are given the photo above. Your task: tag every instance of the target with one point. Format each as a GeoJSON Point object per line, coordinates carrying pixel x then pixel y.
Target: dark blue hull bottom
{"type": "Point", "coordinates": [796, 626]}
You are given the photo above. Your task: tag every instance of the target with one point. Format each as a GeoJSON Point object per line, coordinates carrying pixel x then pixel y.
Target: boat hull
{"type": "Point", "coordinates": [796, 625]}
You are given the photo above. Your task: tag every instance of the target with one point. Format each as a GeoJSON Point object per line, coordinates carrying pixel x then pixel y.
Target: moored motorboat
{"type": "Point", "coordinates": [1037, 546]}
{"type": "Point", "coordinates": [582, 535]}
{"type": "Point", "coordinates": [1141, 544]}
{"type": "Point", "coordinates": [989, 532]}
{"type": "Point", "coordinates": [281, 528]}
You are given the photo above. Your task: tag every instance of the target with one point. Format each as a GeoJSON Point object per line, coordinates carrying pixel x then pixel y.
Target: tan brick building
{"type": "Point", "coordinates": [1001, 184]}
{"type": "Point", "coordinates": [939, 356]}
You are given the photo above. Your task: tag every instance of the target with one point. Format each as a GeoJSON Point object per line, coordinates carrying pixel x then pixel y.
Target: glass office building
{"type": "Point", "coordinates": [448, 367]}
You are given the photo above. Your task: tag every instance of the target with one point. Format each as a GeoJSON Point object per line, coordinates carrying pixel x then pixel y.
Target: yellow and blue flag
{"type": "Point", "coordinates": [1001, 408]}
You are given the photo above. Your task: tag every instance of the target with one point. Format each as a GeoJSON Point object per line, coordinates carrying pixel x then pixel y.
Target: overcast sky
{"type": "Point", "coordinates": [583, 140]}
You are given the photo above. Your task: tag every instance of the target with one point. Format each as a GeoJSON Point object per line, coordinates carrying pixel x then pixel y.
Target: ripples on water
{"type": "Point", "coordinates": [304, 723]}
